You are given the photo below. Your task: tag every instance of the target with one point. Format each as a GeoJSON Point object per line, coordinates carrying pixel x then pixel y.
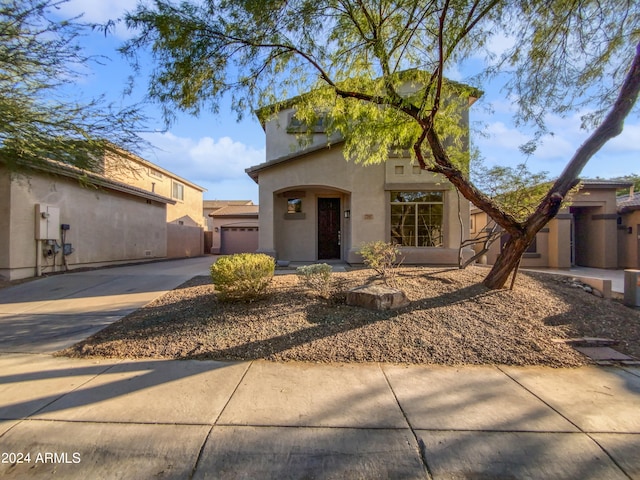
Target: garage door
{"type": "Point", "coordinates": [238, 240]}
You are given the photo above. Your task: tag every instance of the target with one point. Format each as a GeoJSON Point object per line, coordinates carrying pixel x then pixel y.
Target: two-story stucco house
{"type": "Point", "coordinates": [57, 217]}
{"type": "Point", "coordinates": [317, 206]}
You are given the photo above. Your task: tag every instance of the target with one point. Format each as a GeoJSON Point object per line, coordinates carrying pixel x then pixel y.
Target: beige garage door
{"type": "Point", "coordinates": [238, 240]}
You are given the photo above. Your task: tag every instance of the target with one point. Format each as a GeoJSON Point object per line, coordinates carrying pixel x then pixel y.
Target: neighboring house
{"type": "Point", "coordinates": [185, 221]}
{"type": "Point", "coordinates": [59, 217]}
{"type": "Point", "coordinates": [51, 221]}
{"type": "Point", "coordinates": [211, 206]}
{"type": "Point", "coordinates": [629, 230]}
{"type": "Point", "coordinates": [317, 206]}
{"type": "Point", "coordinates": [235, 229]}
{"type": "Point", "coordinates": [586, 233]}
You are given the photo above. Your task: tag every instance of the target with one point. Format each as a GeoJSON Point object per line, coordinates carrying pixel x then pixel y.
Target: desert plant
{"type": "Point", "coordinates": [243, 276]}
{"type": "Point", "coordinates": [317, 277]}
{"type": "Point", "coordinates": [383, 258]}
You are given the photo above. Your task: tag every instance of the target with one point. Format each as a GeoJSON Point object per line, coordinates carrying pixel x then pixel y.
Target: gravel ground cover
{"type": "Point", "coordinates": [451, 320]}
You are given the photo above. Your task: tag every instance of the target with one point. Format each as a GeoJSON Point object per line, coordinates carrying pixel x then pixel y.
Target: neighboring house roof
{"type": "Point", "coordinates": [591, 183]}
{"type": "Point", "coordinates": [217, 204]}
{"type": "Point", "coordinates": [59, 168]}
{"type": "Point", "coordinates": [602, 183]}
{"type": "Point", "coordinates": [249, 211]}
{"type": "Point", "coordinates": [628, 203]}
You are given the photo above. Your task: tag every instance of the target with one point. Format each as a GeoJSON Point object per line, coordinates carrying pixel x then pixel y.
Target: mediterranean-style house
{"type": "Point", "coordinates": [317, 206]}
{"type": "Point", "coordinates": [589, 232]}
{"type": "Point", "coordinates": [56, 217]}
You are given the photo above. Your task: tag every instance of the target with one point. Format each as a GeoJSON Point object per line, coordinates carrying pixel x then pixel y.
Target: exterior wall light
{"type": "Point", "coordinates": [347, 214]}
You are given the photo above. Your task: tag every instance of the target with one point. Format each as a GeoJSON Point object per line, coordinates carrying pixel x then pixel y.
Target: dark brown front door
{"type": "Point", "coordinates": [328, 228]}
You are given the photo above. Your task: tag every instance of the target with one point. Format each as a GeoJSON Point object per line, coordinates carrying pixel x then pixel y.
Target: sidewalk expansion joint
{"type": "Point", "coordinates": [108, 367]}
{"type": "Point", "coordinates": [249, 365]}
{"type": "Point", "coordinates": [421, 446]}
{"type": "Point", "coordinates": [588, 434]}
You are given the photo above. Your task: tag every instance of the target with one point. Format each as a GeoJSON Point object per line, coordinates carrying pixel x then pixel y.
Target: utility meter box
{"type": "Point", "coordinates": [632, 288]}
{"type": "Point", "coordinates": [47, 222]}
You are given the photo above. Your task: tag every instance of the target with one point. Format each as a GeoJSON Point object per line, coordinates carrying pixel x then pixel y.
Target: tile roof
{"type": "Point", "coordinates": [628, 203]}
{"type": "Point", "coordinates": [236, 211]}
{"type": "Point", "coordinates": [225, 203]}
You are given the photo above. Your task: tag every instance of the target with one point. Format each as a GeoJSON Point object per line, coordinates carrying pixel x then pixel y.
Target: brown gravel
{"type": "Point", "coordinates": [452, 320]}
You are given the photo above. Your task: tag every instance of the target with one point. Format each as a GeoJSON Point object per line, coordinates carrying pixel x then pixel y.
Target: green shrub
{"type": "Point", "coordinates": [243, 276]}
{"type": "Point", "coordinates": [316, 277]}
{"type": "Point", "coordinates": [383, 258]}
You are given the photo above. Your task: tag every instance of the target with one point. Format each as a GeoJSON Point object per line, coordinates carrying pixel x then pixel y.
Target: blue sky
{"type": "Point", "coordinates": [213, 151]}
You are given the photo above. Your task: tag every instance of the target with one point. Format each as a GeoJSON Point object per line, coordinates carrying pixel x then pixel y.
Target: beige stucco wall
{"type": "Point", "coordinates": [5, 219]}
{"type": "Point", "coordinates": [105, 226]}
{"type": "Point", "coordinates": [363, 190]}
{"type": "Point", "coordinates": [142, 174]}
{"type": "Point", "coordinates": [593, 213]}
{"type": "Point", "coordinates": [184, 241]}
{"type": "Point", "coordinates": [629, 240]}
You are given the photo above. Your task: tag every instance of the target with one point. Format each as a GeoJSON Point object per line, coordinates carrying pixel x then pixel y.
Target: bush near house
{"type": "Point", "coordinates": [383, 258]}
{"type": "Point", "coordinates": [316, 277]}
{"type": "Point", "coordinates": [243, 276]}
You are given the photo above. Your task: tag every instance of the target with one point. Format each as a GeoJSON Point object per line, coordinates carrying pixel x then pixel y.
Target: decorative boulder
{"type": "Point", "coordinates": [377, 297]}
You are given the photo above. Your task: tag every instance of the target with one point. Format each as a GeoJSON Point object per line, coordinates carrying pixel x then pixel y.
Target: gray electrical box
{"type": "Point", "coordinates": [47, 222]}
{"type": "Point", "coordinates": [632, 288]}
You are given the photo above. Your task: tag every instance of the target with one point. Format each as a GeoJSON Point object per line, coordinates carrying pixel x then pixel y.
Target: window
{"type": "Point", "coordinates": [155, 173]}
{"type": "Point", "coordinates": [294, 205]}
{"type": "Point", "coordinates": [298, 126]}
{"type": "Point", "coordinates": [416, 218]}
{"type": "Point", "coordinates": [177, 191]}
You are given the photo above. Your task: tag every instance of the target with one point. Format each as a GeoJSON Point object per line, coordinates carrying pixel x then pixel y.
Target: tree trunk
{"type": "Point", "coordinates": [508, 260]}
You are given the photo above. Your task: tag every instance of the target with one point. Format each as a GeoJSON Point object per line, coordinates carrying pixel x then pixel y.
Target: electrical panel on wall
{"type": "Point", "coordinates": [47, 222]}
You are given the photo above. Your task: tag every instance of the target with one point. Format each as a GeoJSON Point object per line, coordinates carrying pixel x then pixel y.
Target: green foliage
{"type": "Point", "coordinates": [515, 189]}
{"type": "Point", "coordinates": [243, 276]}
{"type": "Point", "coordinates": [383, 258]}
{"type": "Point", "coordinates": [316, 277]}
{"type": "Point", "coordinates": [569, 56]}
{"type": "Point", "coordinates": [40, 58]}
{"type": "Point", "coordinates": [633, 178]}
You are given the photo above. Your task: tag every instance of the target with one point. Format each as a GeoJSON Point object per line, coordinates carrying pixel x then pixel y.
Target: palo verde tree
{"type": "Point", "coordinates": [40, 55]}
{"type": "Point", "coordinates": [356, 57]}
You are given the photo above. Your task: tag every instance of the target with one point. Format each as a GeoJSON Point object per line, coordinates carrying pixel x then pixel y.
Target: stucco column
{"type": "Point", "coordinates": [560, 241]}
{"type": "Point", "coordinates": [266, 220]}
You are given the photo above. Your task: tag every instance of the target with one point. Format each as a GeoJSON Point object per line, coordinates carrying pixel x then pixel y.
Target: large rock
{"type": "Point", "coordinates": [377, 297]}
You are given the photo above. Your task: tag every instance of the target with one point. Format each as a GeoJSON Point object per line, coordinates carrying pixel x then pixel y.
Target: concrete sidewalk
{"type": "Point", "coordinates": [51, 313]}
{"type": "Point", "coordinates": [616, 276]}
{"type": "Point", "coordinates": [204, 419]}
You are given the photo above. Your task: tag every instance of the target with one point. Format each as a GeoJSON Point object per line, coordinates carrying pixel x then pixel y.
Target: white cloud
{"type": "Point", "coordinates": [97, 11]}
{"type": "Point", "coordinates": [100, 12]}
{"type": "Point", "coordinates": [501, 136]}
{"type": "Point", "coordinates": [204, 160]}
{"type": "Point", "coordinates": [627, 141]}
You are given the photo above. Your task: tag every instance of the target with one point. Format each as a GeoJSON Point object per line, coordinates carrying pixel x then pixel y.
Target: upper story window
{"type": "Point", "coordinates": [417, 218]}
{"type": "Point", "coordinates": [298, 126]}
{"type": "Point", "coordinates": [177, 191]}
{"type": "Point", "coordinates": [155, 173]}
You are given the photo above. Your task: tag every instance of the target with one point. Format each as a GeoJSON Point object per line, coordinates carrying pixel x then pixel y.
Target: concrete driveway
{"type": "Point", "coordinates": [54, 312]}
